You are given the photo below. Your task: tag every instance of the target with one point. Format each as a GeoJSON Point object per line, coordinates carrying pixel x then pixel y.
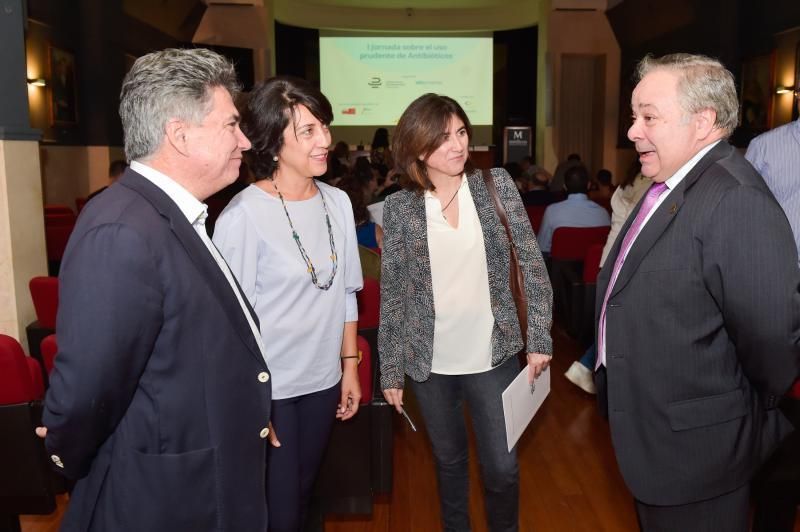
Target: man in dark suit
{"type": "Point", "coordinates": [159, 402]}
{"type": "Point", "coordinates": [697, 307]}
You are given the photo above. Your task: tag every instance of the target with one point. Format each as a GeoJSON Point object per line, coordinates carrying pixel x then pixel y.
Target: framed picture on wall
{"type": "Point", "coordinates": [756, 93]}
{"type": "Point", "coordinates": [63, 88]}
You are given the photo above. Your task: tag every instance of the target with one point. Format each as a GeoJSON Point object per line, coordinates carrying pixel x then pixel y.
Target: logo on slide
{"type": "Point", "coordinates": [375, 82]}
{"type": "Point", "coordinates": [349, 111]}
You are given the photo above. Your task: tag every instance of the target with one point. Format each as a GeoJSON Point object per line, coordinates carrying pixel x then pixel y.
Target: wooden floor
{"type": "Point", "coordinates": [568, 474]}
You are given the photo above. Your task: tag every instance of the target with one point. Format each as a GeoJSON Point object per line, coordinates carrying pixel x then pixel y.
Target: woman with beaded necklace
{"type": "Point", "coordinates": [290, 240]}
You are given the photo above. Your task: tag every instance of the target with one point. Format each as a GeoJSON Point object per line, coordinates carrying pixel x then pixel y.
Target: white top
{"type": "Point", "coordinates": [196, 212]}
{"type": "Point", "coordinates": [304, 324]}
{"type": "Point", "coordinates": [462, 338]}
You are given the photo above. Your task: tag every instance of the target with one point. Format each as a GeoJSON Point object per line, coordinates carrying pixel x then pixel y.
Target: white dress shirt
{"type": "Point", "coordinates": [196, 212]}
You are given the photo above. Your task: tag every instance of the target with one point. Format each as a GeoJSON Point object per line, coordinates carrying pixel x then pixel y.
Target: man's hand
{"type": "Point", "coordinates": [41, 432]}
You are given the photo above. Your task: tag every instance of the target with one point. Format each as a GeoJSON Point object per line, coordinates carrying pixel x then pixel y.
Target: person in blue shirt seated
{"type": "Point", "coordinates": [368, 233]}
{"type": "Point", "coordinates": [575, 211]}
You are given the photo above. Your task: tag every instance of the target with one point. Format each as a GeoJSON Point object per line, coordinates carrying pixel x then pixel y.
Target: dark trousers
{"type": "Point", "coordinates": [303, 425]}
{"type": "Point", "coordinates": [442, 399]}
{"type": "Point", "coordinates": [776, 489]}
{"type": "Point", "coordinates": [725, 513]}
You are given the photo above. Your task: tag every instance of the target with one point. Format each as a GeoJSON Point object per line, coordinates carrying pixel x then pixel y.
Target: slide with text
{"type": "Point", "coordinates": [371, 80]}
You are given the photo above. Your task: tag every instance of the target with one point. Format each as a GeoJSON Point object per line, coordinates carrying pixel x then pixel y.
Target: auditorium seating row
{"type": "Point", "coordinates": [574, 263]}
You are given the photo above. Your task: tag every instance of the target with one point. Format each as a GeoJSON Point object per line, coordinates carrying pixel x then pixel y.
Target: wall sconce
{"type": "Point", "coordinates": [781, 89]}
{"type": "Point", "coordinates": [37, 82]}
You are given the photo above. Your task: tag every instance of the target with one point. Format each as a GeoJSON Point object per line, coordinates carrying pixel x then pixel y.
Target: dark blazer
{"type": "Point", "coordinates": [701, 330]}
{"type": "Point", "coordinates": [159, 395]}
{"type": "Point", "coordinates": [405, 336]}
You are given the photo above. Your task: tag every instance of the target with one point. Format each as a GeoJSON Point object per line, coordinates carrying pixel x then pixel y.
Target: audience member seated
{"type": "Point", "coordinates": [358, 187]}
{"type": "Point", "coordinates": [341, 152]}
{"type": "Point", "coordinates": [576, 211]}
{"type": "Point", "coordinates": [114, 171]}
{"type": "Point", "coordinates": [557, 183]}
{"type": "Point", "coordinates": [515, 172]}
{"type": "Point", "coordinates": [601, 188]}
{"type": "Point", "coordinates": [536, 191]}
{"type": "Point", "coordinates": [389, 185]}
{"type": "Point", "coordinates": [336, 170]}
{"type": "Point", "coordinates": [531, 169]}
{"type": "Point", "coordinates": [380, 153]}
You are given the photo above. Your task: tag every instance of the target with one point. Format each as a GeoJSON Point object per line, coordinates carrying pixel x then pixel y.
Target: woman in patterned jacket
{"type": "Point", "coordinates": [448, 319]}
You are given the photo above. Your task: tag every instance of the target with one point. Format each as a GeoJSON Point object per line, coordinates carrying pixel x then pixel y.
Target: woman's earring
{"type": "Point", "coordinates": [275, 158]}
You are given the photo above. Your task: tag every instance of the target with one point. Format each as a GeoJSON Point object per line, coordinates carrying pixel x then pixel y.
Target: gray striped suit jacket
{"type": "Point", "coordinates": [702, 327]}
{"type": "Point", "coordinates": [405, 337]}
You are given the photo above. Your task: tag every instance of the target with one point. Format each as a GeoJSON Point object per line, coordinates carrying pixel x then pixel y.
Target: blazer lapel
{"type": "Point", "coordinates": [661, 218]}
{"type": "Point", "coordinates": [199, 255]}
{"type": "Point", "coordinates": [418, 235]}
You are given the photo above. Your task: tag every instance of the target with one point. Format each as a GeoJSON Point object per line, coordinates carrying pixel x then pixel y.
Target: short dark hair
{"type": "Point", "coordinates": [420, 131]}
{"type": "Point", "coordinates": [270, 107]}
{"type": "Point", "coordinates": [573, 157]}
{"type": "Point", "coordinates": [604, 177]}
{"type": "Point", "coordinates": [576, 179]}
{"type": "Point", "coordinates": [381, 138]}
{"type": "Point", "coordinates": [117, 167]}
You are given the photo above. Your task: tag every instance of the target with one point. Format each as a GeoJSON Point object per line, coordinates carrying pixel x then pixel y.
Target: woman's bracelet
{"type": "Point", "coordinates": [348, 356]}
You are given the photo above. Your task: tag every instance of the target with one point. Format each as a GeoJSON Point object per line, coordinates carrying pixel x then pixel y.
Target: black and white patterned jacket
{"type": "Point", "coordinates": [405, 337]}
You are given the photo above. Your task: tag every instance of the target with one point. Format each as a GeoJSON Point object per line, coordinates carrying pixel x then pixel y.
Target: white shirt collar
{"type": "Point", "coordinates": [678, 176]}
{"type": "Point", "coordinates": [190, 206]}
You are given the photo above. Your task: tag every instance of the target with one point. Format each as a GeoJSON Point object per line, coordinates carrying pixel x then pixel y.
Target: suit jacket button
{"type": "Point", "coordinates": [263, 376]}
{"type": "Point", "coordinates": [264, 433]}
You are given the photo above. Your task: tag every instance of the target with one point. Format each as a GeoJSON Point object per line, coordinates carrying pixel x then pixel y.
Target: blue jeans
{"type": "Point", "coordinates": [441, 399]}
{"type": "Point", "coordinates": [589, 357]}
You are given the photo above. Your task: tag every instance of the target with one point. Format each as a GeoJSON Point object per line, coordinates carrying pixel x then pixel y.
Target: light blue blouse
{"type": "Point", "coordinates": [302, 326]}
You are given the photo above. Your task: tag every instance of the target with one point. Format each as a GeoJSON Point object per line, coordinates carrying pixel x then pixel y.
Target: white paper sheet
{"type": "Point", "coordinates": [520, 403]}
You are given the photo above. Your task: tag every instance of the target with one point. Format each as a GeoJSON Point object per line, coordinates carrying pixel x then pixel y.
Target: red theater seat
{"type": "Point", "coordinates": [20, 375]}
{"type": "Point", "coordinates": [27, 485]}
{"type": "Point", "coordinates": [571, 243]}
{"type": "Point", "coordinates": [49, 348]}
{"type": "Point", "coordinates": [369, 303]}
{"type": "Point", "coordinates": [535, 215]}
{"type": "Point", "coordinates": [44, 293]}
{"type": "Point", "coordinates": [58, 209]}
{"type": "Point", "coordinates": [567, 256]}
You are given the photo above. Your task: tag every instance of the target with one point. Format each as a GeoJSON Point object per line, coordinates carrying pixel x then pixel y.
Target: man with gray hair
{"type": "Point", "coordinates": [697, 310]}
{"type": "Point", "coordinates": [159, 402]}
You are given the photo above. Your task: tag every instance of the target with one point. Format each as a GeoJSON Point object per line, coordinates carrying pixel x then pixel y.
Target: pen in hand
{"type": "Point", "coordinates": [405, 415]}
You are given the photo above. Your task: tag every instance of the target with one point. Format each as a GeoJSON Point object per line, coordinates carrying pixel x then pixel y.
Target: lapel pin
{"type": "Point", "coordinates": [673, 208]}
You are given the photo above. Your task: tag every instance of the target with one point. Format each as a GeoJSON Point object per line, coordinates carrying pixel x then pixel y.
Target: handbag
{"type": "Point", "coordinates": [516, 279]}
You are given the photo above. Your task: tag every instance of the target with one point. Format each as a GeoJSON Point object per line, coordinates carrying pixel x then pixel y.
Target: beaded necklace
{"type": "Point", "coordinates": [306, 258]}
